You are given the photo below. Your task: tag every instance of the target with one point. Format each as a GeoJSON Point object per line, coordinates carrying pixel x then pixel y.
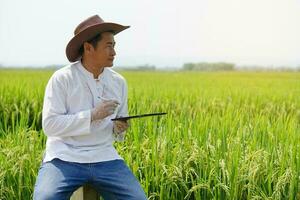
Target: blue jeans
{"type": "Point", "coordinates": [58, 179]}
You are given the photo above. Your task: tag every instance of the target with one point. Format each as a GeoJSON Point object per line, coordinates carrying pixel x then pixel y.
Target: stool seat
{"type": "Point", "coordinates": [85, 192]}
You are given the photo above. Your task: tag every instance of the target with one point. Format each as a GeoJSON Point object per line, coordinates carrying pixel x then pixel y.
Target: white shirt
{"type": "Point", "coordinates": [70, 95]}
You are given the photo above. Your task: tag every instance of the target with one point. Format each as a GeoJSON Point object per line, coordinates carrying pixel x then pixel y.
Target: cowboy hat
{"type": "Point", "coordinates": [86, 30]}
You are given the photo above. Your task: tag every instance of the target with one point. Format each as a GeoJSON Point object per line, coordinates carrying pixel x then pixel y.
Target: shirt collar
{"type": "Point", "coordinates": [89, 74]}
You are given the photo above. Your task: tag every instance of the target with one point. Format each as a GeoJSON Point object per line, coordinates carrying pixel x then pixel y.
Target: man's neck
{"type": "Point", "coordinates": [95, 70]}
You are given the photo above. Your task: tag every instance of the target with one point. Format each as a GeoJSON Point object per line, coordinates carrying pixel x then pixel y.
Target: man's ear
{"type": "Point", "coordinates": [87, 47]}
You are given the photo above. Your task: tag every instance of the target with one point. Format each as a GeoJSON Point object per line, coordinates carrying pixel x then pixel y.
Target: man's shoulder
{"type": "Point", "coordinates": [115, 75]}
{"type": "Point", "coordinates": [64, 72]}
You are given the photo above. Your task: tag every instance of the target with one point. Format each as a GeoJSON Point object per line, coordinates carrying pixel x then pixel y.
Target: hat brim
{"type": "Point", "coordinates": [72, 50]}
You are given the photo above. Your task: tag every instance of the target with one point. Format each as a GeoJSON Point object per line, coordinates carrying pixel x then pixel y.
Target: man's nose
{"type": "Point", "coordinates": [113, 52]}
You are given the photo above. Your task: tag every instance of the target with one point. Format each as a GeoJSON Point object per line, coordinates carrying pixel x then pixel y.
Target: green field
{"type": "Point", "coordinates": [227, 135]}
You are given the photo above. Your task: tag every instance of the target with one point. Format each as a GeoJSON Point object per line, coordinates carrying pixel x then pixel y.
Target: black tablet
{"type": "Point", "coordinates": [137, 116]}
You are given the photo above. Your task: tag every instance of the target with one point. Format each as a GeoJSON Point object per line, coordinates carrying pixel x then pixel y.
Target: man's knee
{"type": "Point", "coordinates": [44, 194]}
{"type": "Point", "coordinates": [138, 194]}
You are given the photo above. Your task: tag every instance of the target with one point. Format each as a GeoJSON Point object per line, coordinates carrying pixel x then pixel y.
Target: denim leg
{"type": "Point", "coordinates": [58, 179]}
{"type": "Point", "coordinates": [114, 180]}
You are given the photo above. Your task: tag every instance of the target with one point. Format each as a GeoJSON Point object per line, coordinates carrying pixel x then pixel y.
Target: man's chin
{"type": "Point", "coordinates": [110, 64]}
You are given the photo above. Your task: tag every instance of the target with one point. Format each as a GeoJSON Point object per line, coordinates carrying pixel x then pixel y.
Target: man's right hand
{"type": "Point", "coordinates": [104, 109]}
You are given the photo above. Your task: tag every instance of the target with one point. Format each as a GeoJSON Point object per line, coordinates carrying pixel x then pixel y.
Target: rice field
{"type": "Point", "coordinates": [227, 135]}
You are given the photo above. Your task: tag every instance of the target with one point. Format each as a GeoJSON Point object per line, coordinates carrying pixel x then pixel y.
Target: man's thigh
{"type": "Point", "coordinates": [114, 180]}
{"type": "Point", "coordinates": [58, 179]}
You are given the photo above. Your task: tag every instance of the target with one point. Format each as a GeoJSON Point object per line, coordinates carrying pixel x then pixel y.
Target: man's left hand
{"type": "Point", "coordinates": [120, 126]}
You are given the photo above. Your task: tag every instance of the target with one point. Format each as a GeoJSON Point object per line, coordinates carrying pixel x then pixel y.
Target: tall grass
{"type": "Point", "coordinates": [227, 135]}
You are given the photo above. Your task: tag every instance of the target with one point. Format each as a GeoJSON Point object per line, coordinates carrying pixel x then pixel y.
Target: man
{"type": "Point", "coordinates": [80, 101]}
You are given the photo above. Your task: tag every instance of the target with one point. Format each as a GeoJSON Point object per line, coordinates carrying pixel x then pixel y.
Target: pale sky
{"type": "Point", "coordinates": [164, 33]}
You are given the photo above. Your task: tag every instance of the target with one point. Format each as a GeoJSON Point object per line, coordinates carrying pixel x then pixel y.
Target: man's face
{"type": "Point", "coordinates": [104, 53]}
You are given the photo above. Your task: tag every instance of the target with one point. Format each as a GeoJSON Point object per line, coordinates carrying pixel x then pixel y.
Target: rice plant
{"type": "Point", "coordinates": [227, 135]}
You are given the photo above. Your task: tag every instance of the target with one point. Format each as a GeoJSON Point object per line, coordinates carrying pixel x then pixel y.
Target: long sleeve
{"type": "Point", "coordinates": [123, 111]}
{"type": "Point", "coordinates": [55, 120]}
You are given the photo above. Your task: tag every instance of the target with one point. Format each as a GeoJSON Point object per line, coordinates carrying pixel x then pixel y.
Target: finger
{"type": "Point", "coordinates": [110, 104]}
{"type": "Point", "coordinates": [121, 129]}
{"type": "Point", "coordinates": [115, 102]}
{"type": "Point", "coordinates": [110, 112]}
{"type": "Point", "coordinates": [106, 100]}
{"type": "Point", "coordinates": [119, 126]}
{"type": "Point", "coordinates": [126, 127]}
{"type": "Point", "coordinates": [123, 126]}
{"type": "Point", "coordinates": [127, 124]}
{"type": "Point", "coordinates": [117, 129]}
{"type": "Point", "coordinates": [121, 123]}
{"type": "Point", "coordinates": [111, 107]}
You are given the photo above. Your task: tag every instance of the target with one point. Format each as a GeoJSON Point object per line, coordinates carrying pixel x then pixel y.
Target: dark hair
{"type": "Point", "coordinates": [94, 41]}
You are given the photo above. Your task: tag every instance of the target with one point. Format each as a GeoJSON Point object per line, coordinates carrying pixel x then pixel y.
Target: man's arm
{"type": "Point", "coordinates": [55, 120]}
{"type": "Point", "coordinates": [122, 112]}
